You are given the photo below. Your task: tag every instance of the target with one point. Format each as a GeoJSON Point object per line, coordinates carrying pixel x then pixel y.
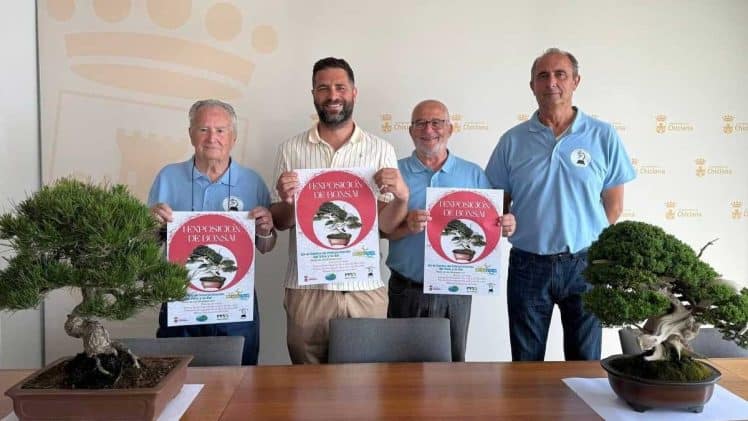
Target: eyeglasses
{"type": "Point", "coordinates": [435, 124]}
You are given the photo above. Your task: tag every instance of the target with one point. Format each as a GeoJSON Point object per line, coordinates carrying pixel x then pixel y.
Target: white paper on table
{"type": "Point", "coordinates": [597, 393]}
{"type": "Point", "coordinates": [173, 410]}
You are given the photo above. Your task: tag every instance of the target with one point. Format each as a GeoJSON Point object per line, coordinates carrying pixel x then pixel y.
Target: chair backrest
{"type": "Point", "coordinates": [708, 342]}
{"type": "Point", "coordinates": [389, 340]}
{"type": "Point", "coordinates": [206, 351]}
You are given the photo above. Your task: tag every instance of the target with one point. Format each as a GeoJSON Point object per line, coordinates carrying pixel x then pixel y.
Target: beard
{"type": "Point", "coordinates": [333, 120]}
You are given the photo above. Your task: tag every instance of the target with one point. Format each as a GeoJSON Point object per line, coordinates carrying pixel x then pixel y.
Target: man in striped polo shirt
{"type": "Point", "coordinates": [335, 142]}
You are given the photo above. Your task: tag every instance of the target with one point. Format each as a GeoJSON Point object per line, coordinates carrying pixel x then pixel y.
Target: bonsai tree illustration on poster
{"type": "Point", "coordinates": [207, 266]}
{"type": "Point", "coordinates": [463, 239]}
{"type": "Point", "coordinates": [338, 223]}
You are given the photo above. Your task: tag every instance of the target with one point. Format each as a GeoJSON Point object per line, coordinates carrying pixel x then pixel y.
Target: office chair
{"type": "Point", "coordinates": [389, 340]}
{"type": "Point", "coordinates": [207, 350]}
{"type": "Point", "coordinates": [708, 343]}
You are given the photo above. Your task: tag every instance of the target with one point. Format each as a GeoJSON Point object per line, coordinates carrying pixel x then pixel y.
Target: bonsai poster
{"type": "Point", "coordinates": [461, 251]}
{"type": "Point", "coordinates": [337, 233]}
{"type": "Point", "coordinates": [218, 251]}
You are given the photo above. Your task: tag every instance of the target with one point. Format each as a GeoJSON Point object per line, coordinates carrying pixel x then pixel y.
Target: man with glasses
{"type": "Point", "coordinates": [335, 142]}
{"type": "Point", "coordinates": [211, 181]}
{"type": "Point", "coordinates": [430, 165]}
{"type": "Point", "coordinates": [563, 173]}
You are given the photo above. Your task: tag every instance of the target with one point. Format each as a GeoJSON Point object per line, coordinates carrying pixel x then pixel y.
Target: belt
{"type": "Point", "coordinates": [556, 257]}
{"type": "Point", "coordinates": [409, 283]}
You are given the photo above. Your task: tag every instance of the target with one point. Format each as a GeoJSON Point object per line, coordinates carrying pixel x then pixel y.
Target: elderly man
{"type": "Point", "coordinates": [335, 142]}
{"type": "Point", "coordinates": [563, 173]}
{"type": "Point", "coordinates": [430, 165]}
{"type": "Point", "coordinates": [211, 181]}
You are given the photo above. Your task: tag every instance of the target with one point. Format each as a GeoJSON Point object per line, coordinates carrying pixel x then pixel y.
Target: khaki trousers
{"type": "Point", "coordinates": [309, 312]}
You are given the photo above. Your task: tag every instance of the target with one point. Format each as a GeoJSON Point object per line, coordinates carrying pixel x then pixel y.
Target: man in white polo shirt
{"type": "Point", "coordinates": [335, 142]}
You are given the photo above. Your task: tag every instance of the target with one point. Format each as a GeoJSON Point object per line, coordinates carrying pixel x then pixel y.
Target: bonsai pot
{"type": "Point", "coordinates": [643, 394]}
{"type": "Point", "coordinates": [339, 240]}
{"type": "Point", "coordinates": [212, 282]}
{"type": "Point", "coordinates": [465, 255]}
{"type": "Point", "coordinates": [97, 404]}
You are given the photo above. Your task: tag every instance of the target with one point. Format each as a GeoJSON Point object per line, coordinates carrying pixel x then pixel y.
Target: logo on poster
{"type": "Point", "coordinates": [646, 169]}
{"type": "Point", "coordinates": [731, 126]}
{"type": "Point", "coordinates": [737, 211]}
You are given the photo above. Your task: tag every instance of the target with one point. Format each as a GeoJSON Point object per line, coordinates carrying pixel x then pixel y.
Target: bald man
{"type": "Point", "coordinates": [430, 165]}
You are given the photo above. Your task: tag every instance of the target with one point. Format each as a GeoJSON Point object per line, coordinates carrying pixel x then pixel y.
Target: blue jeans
{"type": "Point", "coordinates": [537, 283]}
{"type": "Point", "coordinates": [250, 331]}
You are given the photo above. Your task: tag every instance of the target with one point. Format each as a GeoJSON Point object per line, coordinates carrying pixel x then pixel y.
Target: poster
{"type": "Point", "coordinates": [218, 250]}
{"type": "Point", "coordinates": [461, 248]}
{"type": "Point", "coordinates": [337, 231]}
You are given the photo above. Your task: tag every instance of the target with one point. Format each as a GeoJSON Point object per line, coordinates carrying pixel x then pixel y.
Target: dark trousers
{"type": "Point", "coordinates": [408, 300]}
{"type": "Point", "coordinates": [538, 282]}
{"type": "Point", "coordinates": [250, 331]}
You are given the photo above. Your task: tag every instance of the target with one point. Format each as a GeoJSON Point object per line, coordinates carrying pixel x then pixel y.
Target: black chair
{"type": "Point", "coordinates": [708, 342]}
{"type": "Point", "coordinates": [207, 351]}
{"type": "Point", "coordinates": [389, 340]}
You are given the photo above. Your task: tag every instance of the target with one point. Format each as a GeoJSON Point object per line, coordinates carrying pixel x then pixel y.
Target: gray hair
{"type": "Point", "coordinates": [203, 103]}
{"type": "Point", "coordinates": [570, 56]}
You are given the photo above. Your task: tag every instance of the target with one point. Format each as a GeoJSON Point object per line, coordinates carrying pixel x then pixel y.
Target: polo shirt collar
{"type": "Point", "coordinates": [417, 166]}
{"type": "Point", "coordinates": [537, 126]}
{"type": "Point", "coordinates": [315, 138]}
{"type": "Point", "coordinates": [230, 171]}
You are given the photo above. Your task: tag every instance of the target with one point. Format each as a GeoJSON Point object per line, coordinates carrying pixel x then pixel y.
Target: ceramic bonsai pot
{"type": "Point", "coordinates": [212, 282]}
{"type": "Point", "coordinates": [643, 394]}
{"type": "Point", "coordinates": [464, 255]}
{"type": "Point", "coordinates": [339, 240]}
{"type": "Point", "coordinates": [97, 404]}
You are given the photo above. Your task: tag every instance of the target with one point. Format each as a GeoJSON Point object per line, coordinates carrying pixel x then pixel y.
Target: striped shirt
{"type": "Point", "coordinates": [308, 151]}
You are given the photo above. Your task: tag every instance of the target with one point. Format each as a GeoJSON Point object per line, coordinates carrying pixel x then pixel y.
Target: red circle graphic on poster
{"type": "Point", "coordinates": [216, 250]}
{"type": "Point", "coordinates": [463, 227]}
{"type": "Point", "coordinates": [336, 209]}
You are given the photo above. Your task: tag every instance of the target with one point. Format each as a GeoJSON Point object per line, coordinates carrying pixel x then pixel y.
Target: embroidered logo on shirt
{"type": "Point", "coordinates": [232, 203]}
{"type": "Point", "coordinates": [580, 158]}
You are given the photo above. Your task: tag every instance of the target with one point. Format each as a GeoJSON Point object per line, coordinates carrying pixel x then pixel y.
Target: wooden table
{"type": "Point", "coordinates": [394, 391]}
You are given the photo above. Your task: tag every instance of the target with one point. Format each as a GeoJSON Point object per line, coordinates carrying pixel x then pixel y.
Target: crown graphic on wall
{"type": "Point", "coordinates": [634, 161]}
{"type": "Point", "coordinates": [386, 117]}
{"type": "Point", "coordinates": [727, 118]}
{"type": "Point", "coordinates": [670, 204]}
{"type": "Point", "coordinates": [736, 204]}
{"type": "Point", "coordinates": [661, 118]}
{"type": "Point", "coordinates": [700, 161]}
{"type": "Point", "coordinates": [167, 60]}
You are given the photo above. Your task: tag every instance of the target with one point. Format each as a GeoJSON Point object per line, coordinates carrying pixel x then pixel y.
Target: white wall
{"type": "Point", "coordinates": [682, 60]}
{"type": "Point", "coordinates": [20, 335]}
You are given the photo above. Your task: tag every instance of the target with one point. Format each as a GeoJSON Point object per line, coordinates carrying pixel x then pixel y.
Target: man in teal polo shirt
{"type": "Point", "coordinates": [562, 172]}
{"type": "Point", "coordinates": [430, 165]}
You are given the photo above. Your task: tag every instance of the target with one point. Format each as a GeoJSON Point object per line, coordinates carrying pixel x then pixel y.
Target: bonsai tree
{"type": "Point", "coordinates": [648, 279]}
{"type": "Point", "coordinates": [100, 240]}
{"type": "Point", "coordinates": [337, 221]}
{"type": "Point", "coordinates": [464, 238]}
{"type": "Point", "coordinates": [207, 264]}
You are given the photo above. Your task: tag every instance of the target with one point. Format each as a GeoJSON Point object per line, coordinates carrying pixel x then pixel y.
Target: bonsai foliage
{"type": "Point", "coordinates": [337, 219]}
{"type": "Point", "coordinates": [639, 273]}
{"type": "Point", "coordinates": [463, 236]}
{"type": "Point", "coordinates": [99, 239]}
{"type": "Point", "coordinates": [207, 261]}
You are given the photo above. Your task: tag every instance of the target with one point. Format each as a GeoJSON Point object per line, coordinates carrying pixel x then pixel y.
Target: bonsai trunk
{"type": "Point", "coordinates": [669, 334]}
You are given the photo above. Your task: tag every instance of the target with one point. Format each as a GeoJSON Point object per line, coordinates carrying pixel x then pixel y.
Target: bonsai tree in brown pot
{"type": "Point", "coordinates": [103, 241]}
{"type": "Point", "coordinates": [206, 265]}
{"type": "Point", "coordinates": [464, 239]}
{"type": "Point", "coordinates": [647, 279]}
{"type": "Point", "coordinates": [337, 222]}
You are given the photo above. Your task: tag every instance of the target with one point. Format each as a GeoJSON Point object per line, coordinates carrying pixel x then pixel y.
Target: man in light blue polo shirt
{"type": "Point", "coordinates": [563, 173]}
{"type": "Point", "coordinates": [212, 181]}
{"type": "Point", "coordinates": [430, 165]}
